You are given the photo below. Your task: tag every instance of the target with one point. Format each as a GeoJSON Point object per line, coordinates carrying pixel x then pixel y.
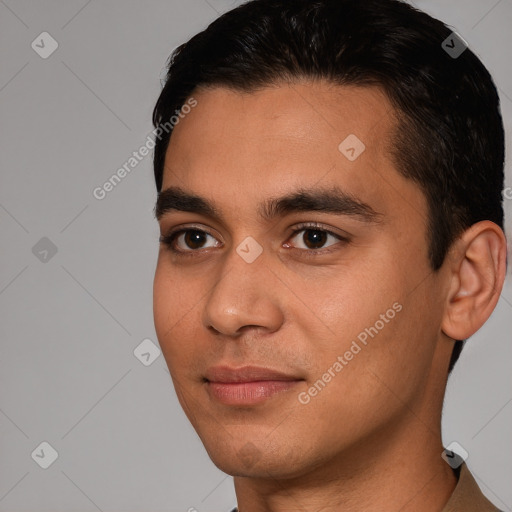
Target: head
{"type": "Point", "coordinates": [352, 115]}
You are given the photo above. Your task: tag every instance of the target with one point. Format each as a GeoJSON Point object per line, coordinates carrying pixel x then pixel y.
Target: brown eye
{"type": "Point", "coordinates": [194, 239]}
{"type": "Point", "coordinates": [187, 240]}
{"type": "Point", "coordinates": [314, 238]}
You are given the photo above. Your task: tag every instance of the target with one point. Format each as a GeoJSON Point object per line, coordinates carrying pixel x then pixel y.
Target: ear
{"type": "Point", "coordinates": [478, 262]}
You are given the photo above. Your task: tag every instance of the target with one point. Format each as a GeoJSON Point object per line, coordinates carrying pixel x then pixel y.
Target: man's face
{"type": "Point", "coordinates": [346, 307]}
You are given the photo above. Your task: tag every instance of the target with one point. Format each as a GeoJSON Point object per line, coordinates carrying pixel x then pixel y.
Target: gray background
{"type": "Point", "coordinates": [70, 324]}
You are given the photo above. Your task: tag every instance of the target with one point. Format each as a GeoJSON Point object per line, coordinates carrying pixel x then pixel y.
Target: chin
{"type": "Point", "coordinates": [255, 458]}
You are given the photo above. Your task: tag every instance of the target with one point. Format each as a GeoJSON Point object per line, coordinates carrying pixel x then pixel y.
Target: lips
{"type": "Point", "coordinates": [246, 374]}
{"type": "Point", "coordinates": [248, 385]}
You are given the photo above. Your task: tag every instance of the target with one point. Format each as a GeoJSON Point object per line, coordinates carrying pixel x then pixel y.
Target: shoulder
{"type": "Point", "coordinates": [467, 496]}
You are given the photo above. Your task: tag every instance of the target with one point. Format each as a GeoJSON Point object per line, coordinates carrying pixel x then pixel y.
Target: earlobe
{"type": "Point", "coordinates": [478, 265]}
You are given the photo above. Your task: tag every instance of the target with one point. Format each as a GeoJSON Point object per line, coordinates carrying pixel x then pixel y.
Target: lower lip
{"type": "Point", "coordinates": [248, 393]}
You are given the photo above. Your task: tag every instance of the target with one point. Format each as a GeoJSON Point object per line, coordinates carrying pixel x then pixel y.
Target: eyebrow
{"type": "Point", "coordinates": [331, 200]}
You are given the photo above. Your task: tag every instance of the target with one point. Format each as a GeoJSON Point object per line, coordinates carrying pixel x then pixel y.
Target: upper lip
{"type": "Point", "coordinates": [245, 374]}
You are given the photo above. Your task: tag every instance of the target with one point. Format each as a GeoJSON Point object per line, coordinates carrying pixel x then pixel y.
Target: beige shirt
{"type": "Point", "coordinates": [467, 496]}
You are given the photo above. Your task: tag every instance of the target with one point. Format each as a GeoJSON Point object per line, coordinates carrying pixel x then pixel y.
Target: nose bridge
{"type": "Point", "coordinates": [240, 297]}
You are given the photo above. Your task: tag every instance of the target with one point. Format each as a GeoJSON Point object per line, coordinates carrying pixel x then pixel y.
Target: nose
{"type": "Point", "coordinates": [243, 297]}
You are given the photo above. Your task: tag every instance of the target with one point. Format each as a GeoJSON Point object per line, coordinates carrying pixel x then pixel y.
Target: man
{"type": "Point", "coordinates": [331, 232]}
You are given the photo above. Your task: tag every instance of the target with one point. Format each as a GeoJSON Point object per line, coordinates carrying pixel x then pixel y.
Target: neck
{"type": "Point", "coordinates": [400, 469]}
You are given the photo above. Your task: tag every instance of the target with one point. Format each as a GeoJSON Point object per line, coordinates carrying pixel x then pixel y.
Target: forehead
{"type": "Point", "coordinates": [309, 110]}
{"type": "Point", "coordinates": [301, 134]}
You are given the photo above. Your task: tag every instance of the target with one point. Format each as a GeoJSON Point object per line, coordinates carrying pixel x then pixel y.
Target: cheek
{"type": "Point", "coordinates": [177, 304]}
{"type": "Point", "coordinates": [349, 303]}
{"type": "Point", "coordinates": [367, 318]}
{"type": "Point", "coordinates": [397, 349]}
{"type": "Point", "coordinates": [369, 371]}
{"type": "Point", "coordinates": [169, 308]}
{"type": "Point", "coordinates": [162, 302]}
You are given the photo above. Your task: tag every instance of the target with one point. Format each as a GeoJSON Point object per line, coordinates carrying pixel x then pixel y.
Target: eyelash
{"type": "Point", "coordinates": [169, 240]}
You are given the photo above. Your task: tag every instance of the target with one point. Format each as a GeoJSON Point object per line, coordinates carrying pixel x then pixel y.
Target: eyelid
{"type": "Point", "coordinates": [344, 235]}
{"type": "Point", "coordinates": [170, 238]}
{"type": "Point", "coordinates": [343, 239]}
{"type": "Point", "coordinates": [188, 227]}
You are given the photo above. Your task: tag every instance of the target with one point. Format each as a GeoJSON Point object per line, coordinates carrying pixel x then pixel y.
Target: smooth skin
{"type": "Point", "coordinates": [371, 439]}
